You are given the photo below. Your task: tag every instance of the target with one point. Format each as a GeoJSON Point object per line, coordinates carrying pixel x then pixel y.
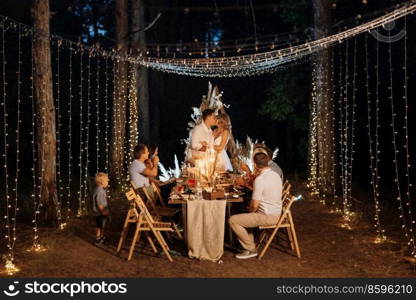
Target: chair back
{"type": "Point", "coordinates": [139, 204]}
{"type": "Point", "coordinates": [134, 185]}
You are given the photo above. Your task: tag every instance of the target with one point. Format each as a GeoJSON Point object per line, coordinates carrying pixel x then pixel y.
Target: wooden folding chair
{"type": "Point", "coordinates": [138, 214]}
{"type": "Point", "coordinates": [285, 221]}
{"type": "Point", "coordinates": [153, 197]}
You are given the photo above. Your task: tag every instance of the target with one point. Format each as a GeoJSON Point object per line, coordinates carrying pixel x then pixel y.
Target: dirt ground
{"type": "Point", "coordinates": [328, 250]}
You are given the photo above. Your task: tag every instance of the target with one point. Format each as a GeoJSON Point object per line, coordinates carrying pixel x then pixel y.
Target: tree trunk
{"type": "Point", "coordinates": [138, 42]}
{"type": "Point", "coordinates": [120, 90]}
{"type": "Point", "coordinates": [322, 65]}
{"type": "Point", "coordinates": [45, 111]}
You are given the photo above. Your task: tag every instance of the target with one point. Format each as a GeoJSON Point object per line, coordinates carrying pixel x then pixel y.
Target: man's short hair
{"type": "Point", "coordinates": [99, 178]}
{"type": "Point", "coordinates": [139, 150]}
{"type": "Point", "coordinates": [261, 160]}
{"type": "Point", "coordinates": [206, 113]}
{"type": "Point", "coordinates": [263, 147]}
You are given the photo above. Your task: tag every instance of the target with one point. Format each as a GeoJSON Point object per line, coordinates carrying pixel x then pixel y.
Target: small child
{"type": "Point", "coordinates": [100, 206]}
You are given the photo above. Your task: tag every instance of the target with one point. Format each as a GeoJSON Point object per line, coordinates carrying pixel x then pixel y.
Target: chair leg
{"type": "Point", "coordinates": [163, 244]}
{"type": "Point", "coordinates": [295, 239]}
{"type": "Point", "coordinates": [123, 233]}
{"type": "Point", "coordinates": [178, 233]}
{"type": "Point", "coordinates": [151, 242]}
{"type": "Point", "coordinates": [290, 238]}
{"type": "Point", "coordinates": [135, 239]}
{"type": "Point", "coordinates": [269, 241]}
{"type": "Point", "coordinates": [261, 238]}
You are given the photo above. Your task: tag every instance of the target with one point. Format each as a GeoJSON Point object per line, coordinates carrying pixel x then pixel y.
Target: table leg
{"type": "Point", "coordinates": [185, 222]}
{"type": "Point", "coordinates": [230, 231]}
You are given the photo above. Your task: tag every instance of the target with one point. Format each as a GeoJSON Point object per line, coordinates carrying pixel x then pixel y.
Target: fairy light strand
{"type": "Point", "coordinates": [353, 105]}
{"type": "Point", "coordinates": [97, 108]}
{"type": "Point", "coordinates": [70, 98]}
{"type": "Point", "coordinates": [372, 157]}
{"type": "Point", "coordinates": [6, 146]}
{"type": "Point", "coordinates": [81, 132]}
{"type": "Point", "coordinates": [341, 120]}
{"type": "Point", "coordinates": [18, 121]}
{"type": "Point", "coordinates": [59, 125]}
{"type": "Point", "coordinates": [333, 143]}
{"type": "Point", "coordinates": [36, 242]}
{"type": "Point", "coordinates": [345, 133]}
{"type": "Point", "coordinates": [395, 150]}
{"type": "Point", "coordinates": [406, 146]}
{"type": "Point", "coordinates": [82, 209]}
{"type": "Point", "coordinates": [107, 146]}
{"type": "Point", "coordinates": [258, 63]}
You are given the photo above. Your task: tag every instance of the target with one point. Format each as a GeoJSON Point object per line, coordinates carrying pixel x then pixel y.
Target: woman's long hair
{"type": "Point", "coordinates": [224, 121]}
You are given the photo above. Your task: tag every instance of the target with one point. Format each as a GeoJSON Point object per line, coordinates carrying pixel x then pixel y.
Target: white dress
{"type": "Point", "coordinates": [223, 161]}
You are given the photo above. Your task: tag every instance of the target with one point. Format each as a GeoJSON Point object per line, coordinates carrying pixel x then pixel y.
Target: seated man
{"type": "Point", "coordinates": [262, 148]}
{"type": "Point", "coordinates": [139, 172]}
{"type": "Point", "coordinates": [250, 176]}
{"type": "Point", "coordinates": [264, 209]}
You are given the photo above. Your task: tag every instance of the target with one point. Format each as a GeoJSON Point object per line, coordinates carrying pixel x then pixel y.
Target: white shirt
{"type": "Point", "coordinates": [267, 189]}
{"type": "Point", "coordinates": [136, 168]}
{"type": "Point", "coordinates": [275, 167]}
{"type": "Point", "coordinates": [200, 133]}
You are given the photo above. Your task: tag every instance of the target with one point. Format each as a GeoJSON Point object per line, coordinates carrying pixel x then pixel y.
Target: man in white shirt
{"type": "Point", "coordinates": [202, 138]}
{"type": "Point", "coordinates": [139, 173]}
{"type": "Point", "coordinates": [265, 206]}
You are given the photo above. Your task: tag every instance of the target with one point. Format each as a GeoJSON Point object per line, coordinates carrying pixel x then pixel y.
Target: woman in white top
{"type": "Point", "coordinates": [222, 136]}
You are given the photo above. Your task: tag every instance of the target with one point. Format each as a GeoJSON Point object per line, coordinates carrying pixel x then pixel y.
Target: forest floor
{"type": "Point", "coordinates": [329, 249]}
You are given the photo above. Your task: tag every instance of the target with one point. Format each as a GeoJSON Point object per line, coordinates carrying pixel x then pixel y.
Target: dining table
{"type": "Point", "coordinates": [204, 219]}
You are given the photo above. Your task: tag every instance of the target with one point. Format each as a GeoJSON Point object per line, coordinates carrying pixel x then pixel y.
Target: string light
{"type": "Point", "coordinates": [133, 111]}
{"type": "Point", "coordinates": [97, 108]}
{"type": "Point", "coordinates": [346, 204]}
{"type": "Point", "coordinates": [258, 63]}
{"type": "Point", "coordinates": [395, 151]}
{"type": "Point", "coordinates": [341, 120]}
{"type": "Point", "coordinates": [9, 259]}
{"type": "Point", "coordinates": [116, 121]}
{"type": "Point", "coordinates": [352, 143]}
{"type": "Point", "coordinates": [58, 132]}
{"type": "Point", "coordinates": [82, 209]}
{"type": "Point", "coordinates": [81, 136]}
{"type": "Point", "coordinates": [373, 156]}
{"type": "Point", "coordinates": [333, 143]}
{"type": "Point", "coordinates": [107, 146]}
{"type": "Point", "coordinates": [69, 180]}
{"type": "Point", "coordinates": [18, 121]}
{"type": "Point", "coordinates": [406, 146]}
{"type": "Point", "coordinates": [36, 242]}
{"type": "Point", "coordinates": [313, 146]}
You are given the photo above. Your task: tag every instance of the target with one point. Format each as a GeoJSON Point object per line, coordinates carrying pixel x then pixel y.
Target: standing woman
{"type": "Point", "coordinates": [222, 136]}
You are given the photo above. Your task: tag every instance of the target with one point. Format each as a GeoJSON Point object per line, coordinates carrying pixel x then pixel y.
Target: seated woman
{"type": "Point", "coordinates": [153, 152]}
{"type": "Point", "coordinates": [139, 172]}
